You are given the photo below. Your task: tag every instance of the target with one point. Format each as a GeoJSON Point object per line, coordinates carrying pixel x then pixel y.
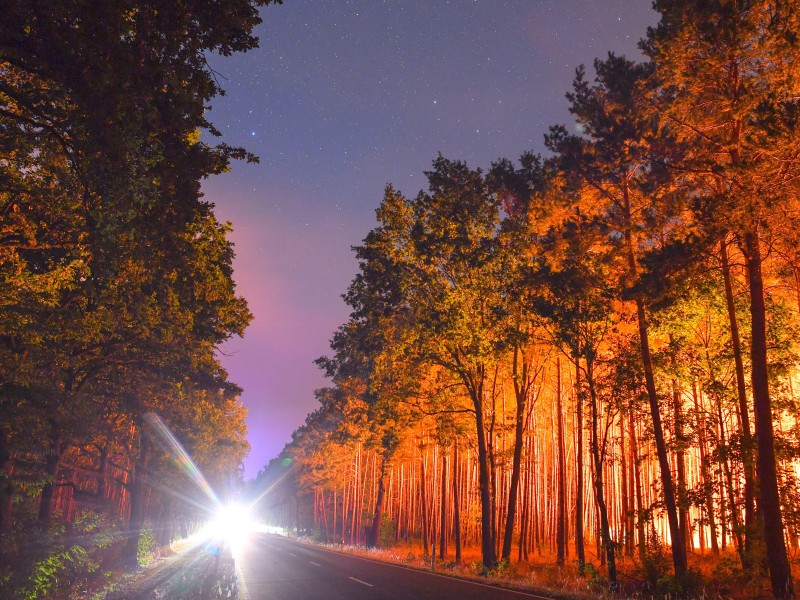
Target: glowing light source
{"type": "Point", "coordinates": [232, 524]}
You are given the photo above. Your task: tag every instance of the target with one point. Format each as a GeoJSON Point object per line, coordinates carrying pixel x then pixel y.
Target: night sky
{"type": "Point", "coordinates": [343, 97]}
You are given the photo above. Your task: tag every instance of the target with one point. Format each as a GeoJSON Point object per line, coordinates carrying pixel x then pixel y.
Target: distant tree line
{"type": "Point", "coordinates": [116, 281]}
{"type": "Point", "coordinates": [593, 351]}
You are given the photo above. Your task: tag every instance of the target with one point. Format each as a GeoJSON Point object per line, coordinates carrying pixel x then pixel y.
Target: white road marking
{"type": "Point", "coordinates": [244, 594]}
{"type": "Point", "coordinates": [313, 563]}
{"type": "Point", "coordinates": [292, 554]}
{"type": "Point", "coordinates": [363, 582]}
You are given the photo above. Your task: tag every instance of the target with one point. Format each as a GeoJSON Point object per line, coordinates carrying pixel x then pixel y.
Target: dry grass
{"type": "Point", "coordinates": [715, 577]}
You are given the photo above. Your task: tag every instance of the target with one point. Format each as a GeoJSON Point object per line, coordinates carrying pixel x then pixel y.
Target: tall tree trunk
{"type": "Point", "coordinates": [736, 528]}
{"type": "Point", "coordinates": [375, 530]}
{"type": "Point", "coordinates": [751, 530]}
{"type": "Point", "coordinates": [637, 480]}
{"type": "Point", "coordinates": [626, 488]}
{"type": "Point", "coordinates": [484, 484]}
{"type": "Point", "coordinates": [6, 481]}
{"type": "Point", "coordinates": [424, 507]}
{"type": "Point", "coordinates": [138, 492]}
{"type": "Point", "coordinates": [579, 544]}
{"type": "Point", "coordinates": [680, 459]}
{"type": "Point", "coordinates": [325, 517]}
{"type": "Point", "coordinates": [52, 463]}
{"type": "Point", "coordinates": [102, 474]}
{"type": "Point", "coordinates": [524, 529]}
{"type": "Point", "coordinates": [599, 490]}
{"type": "Point", "coordinates": [521, 391]}
{"type": "Point", "coordinates": [456, 507]}
{"type": "Point", "coordinates": [676, 539]}
{"type": "Point", "coordinates": [561, 519]}
{"type": "Point", "coordinates": [443, 509]}
{"type": "Point", "coordinates": [777, 559]}
{"type": "Point", "coordinates": [704, 475]}
{"type": "Point", "coordinates": [164, 530]}
{"type": "Point", "coordinates": [487, 539]}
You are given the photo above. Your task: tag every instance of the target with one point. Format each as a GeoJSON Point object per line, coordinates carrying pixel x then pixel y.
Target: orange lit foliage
{"type": "Point", "coordinates": [641, 314]}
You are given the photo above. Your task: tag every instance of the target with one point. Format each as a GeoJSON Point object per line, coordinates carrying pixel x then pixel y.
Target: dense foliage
{"type": "Point", "coordinates": [115, 276]}
{"type": "Point", "coordinates": [599, 344]}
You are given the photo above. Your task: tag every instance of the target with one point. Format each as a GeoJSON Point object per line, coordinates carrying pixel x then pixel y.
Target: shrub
{"type": "Point", "coordinates": [147, 546]}
{"type": "Point", "coordinates": [68, 566]}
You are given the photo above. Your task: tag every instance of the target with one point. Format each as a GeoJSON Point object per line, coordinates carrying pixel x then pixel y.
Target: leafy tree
{"type": "Point", "coordinates": [612, 160]}
{"type": "Point", "coordinates": [116, 277]}
{"type": "Point", "coordinates": [727, 89]}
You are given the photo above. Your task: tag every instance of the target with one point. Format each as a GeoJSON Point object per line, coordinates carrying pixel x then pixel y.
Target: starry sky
{"type": "Point", "coordinates": [343, 97]}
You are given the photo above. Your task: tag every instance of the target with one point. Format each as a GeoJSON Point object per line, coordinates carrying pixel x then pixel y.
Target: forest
{"type": "Point", "coordinates": [591, 353]}
{"type": "Point", "coordinates": [116, 282]}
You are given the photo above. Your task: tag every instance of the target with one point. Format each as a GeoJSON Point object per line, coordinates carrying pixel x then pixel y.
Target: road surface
{"type": "Point", "coordinates": [274, 567]}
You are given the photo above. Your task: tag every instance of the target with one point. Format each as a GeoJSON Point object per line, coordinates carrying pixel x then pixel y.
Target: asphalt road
{"type": "Point", "coordinates": [274, 567]}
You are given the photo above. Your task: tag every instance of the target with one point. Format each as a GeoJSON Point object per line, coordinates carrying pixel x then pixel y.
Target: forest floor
{"type": "Point", "coordinates": [713, 577]}
{"type": "Point", "coordinates": [558, 583]}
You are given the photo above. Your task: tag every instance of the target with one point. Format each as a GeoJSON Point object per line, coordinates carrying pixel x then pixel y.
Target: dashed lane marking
{"type": "Point", "coordinates": [362, 582]}
{"type": "Point", "coordinates": [313, 563]}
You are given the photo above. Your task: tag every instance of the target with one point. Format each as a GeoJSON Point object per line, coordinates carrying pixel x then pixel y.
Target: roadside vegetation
{"type": "Point", "coordinates": [589, 355]}
{"type": "Point", "coordinates": [116, 285]}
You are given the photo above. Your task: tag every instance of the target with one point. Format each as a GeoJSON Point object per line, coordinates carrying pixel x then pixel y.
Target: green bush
{"type": "Point", "coordinates": [67, 566]}
{"type": "Point", "coordinates": [387, 537]}
{"type": "Point", "coordinates": [36, 561]}
{"type": "Point", "coordinates": [147, 545]}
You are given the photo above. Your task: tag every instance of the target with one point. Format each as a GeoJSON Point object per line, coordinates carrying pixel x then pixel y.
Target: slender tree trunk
{"type": "Point", "coordinates": [52, 463]}
{"type": "Point", "coordinates": [524, 528]}
{"type": "Point", "coordinates": [625, 487]}
{"type": "Point", "coordinates": [579, 544]}
{"type": "Point", "coordinates": [704, 475]}
{"type": "Point", "coordinates": [676, 539]}
{"type": "Point", "coordinates": [599, 490]}
{"type": "Point", "coordinates": [443, 510]}
{"type": "Point", "coordinates": [521, 390]}
{"type": "Point", "coordinates": [777, 558]}
{"type": "Point", "coordinates": [164, 530]}
{"type": "Point", "coordinates": [736, 528]}
{"type": "Point", "coordinates": [325, 518]}
{"type": "Point", "coordinates": [487, 540]}
{"type": "Point", "coordinates": [680, 459]}
{"type": "Point", "coordinates": [354, 521]}
{"type": "Point", "coordinates": [456, 507]}
{"type": "Point", "coordinates": [751, 530]}
{"type": "Point", "coordinates": [375, 530]}
{"type": "Point", "coordinates": [6, 482]}
{"type": "Point", "coordinates": [424, 508]}
{"type": "Point", "coordinates": [491, 456]}
{"type": "Point", "coordinates": [637, 480]}
{"type": "Point", "coordinates": [561, 519]}
{"type": "Point", "coordinates": [138, 493]}
{"type": "Point", "coordinates": [102, 474]}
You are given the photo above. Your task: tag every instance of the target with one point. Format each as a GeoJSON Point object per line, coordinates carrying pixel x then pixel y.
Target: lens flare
{"type": "Point", "coordinates": [177, 452]}
{"type": "Point", "coordinates": [232, 526]}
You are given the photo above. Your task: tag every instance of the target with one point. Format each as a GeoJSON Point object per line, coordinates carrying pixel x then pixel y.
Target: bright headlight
{"type": "Point", "coordinates": [232, 523]}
